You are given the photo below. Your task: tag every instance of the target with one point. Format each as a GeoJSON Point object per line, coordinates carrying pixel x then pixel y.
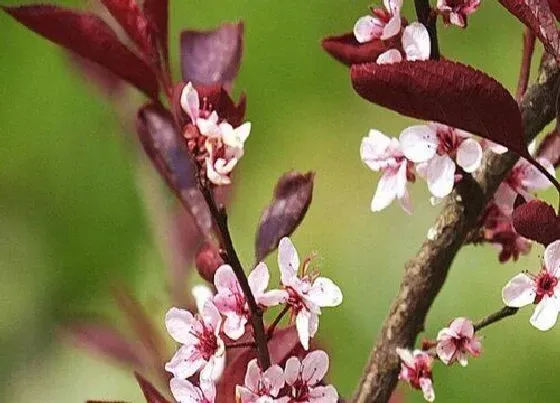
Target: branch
{"type": "Point", "coordinates": [425, 274]}
{"type": "Point", "coordinates": [429, 19]}
{"type": "Point", "coordinates": [495, 317]}
{"type": "Point", "coordinates": [220, 218]}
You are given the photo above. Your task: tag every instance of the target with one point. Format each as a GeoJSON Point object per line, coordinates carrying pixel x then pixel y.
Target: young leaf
{"type": "Point", "coordinates": [347, 50]}
{"type": "Point", "coordinates": [133, 21]}
{"type": "Point", "coordinates": [210, 57]}
{"type": "Point", "coordinates": [538, 16]}
{"type": "Point", "coordinates": [282, 216]}
{"type": "Point", "coordinates": [157, 13]}
{"type": "Point", "coordinates": [151, 394]}
{"type": "Point", "coordinates": [105, 340]}
{"type": "Point", "coordinates": [537, 220]}
{"type": "Point", "coordinates": [168, 151]}
{"type": "Point", "coordinates": [445, 92]}
{"type": "Point", "coordinates": [90, 37]}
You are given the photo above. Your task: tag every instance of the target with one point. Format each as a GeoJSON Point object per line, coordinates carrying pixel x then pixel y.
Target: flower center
{"type": "Point", "coordinates": [295, 300]}
{"type": "Point", "coordinates": [207, 343]}
{"type": "Point", "coordinates": [448, 141]}
{"type": "Point", "coordinates": [546, 283]}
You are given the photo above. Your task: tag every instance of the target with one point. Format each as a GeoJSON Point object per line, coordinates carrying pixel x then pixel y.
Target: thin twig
{"type": "Point", "coordinates": [241, 345]}
{"type": "Point", "coordinates": [528, 49]}
{"type": "Point", "coordinates": [220, 218]}
{"type": "Point", "coordinates": [548, 175]}
{"type": "Point", "coordinates": [425, 274]}
{"type": "Point", "coordinates": [429, 19]}
{"type": "Point", "coordinates": [495, 317]}
{"type": "Point", "coordinates": [272, 327]}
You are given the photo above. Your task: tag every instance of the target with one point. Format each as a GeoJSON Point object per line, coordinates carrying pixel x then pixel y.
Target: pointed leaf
{"type": "Point", "coordinates": [103, 339]}
{"type": "Point", "coordinates": [291, 200]}
{"type": "Point", "coordinates": [157, 13]}
{"type": "Point", "coordinates": [210, 57]}
{"type": "Point", "coordinates": [537, 15]}
{"type": "Point", "coordinates": [347, 50]}
{"type": "Point", "coordinates": [445, 92]}
{"type": "Point", "coordinates": [133, 21]}
{"type": "Point", "coordinates": [168, 151]}
{"type": "Point", "coordinates": [90, 37]}
{"type": "Point", "coordinates": [537, 220]}
{"type": "Point", "coordinates": [151, 394]}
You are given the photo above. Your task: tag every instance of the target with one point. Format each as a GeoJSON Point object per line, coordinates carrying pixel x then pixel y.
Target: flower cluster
{"type": "Point", "coordinates": [454, 344]}
{"type": "Point", "coordinates": [303, 293]}
{"type": "Point", "coordinates": [433, 149]}
{"type": "Point", "coordinates": [302, 378]}
{"type": "Point", "coordinates": [215, 144]}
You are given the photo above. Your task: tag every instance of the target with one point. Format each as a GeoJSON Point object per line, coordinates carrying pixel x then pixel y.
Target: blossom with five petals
{"type": "Point", "coordinates": [303, 378]}
{"type": "Point", "coordinates": [261, 387]}
{"type": "Point", "coordinates": [416, 369]}
{"type": "Point", "coordinates": [541, 289]}
{"type": "Point", "coordinates": [456, 342]}
{"type": "Point", "coordinates": [383, 24]}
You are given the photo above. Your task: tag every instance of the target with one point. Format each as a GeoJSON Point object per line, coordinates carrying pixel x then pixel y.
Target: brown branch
{"type": "Point", "coordinates": [220, 218]}
{"type": "Point", "coordinates": [429, 19]}
{"type": "Point", "coordinates": [425, 274]}
{"type": "Point", "coordinates": [528, 48]}
{"type": "Point", "coordinates": [495, 317]}
{"type": "Point", "coordinates": [272, 327]}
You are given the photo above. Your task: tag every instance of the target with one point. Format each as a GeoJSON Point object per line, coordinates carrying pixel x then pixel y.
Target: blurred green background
{"type": "Point", "coordinates": [73, 221]}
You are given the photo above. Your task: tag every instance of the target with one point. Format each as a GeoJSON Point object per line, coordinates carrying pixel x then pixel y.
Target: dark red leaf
{"type": "Point", "coordinates": [537, 15]}
{"type": "Point", "coordinates": [157, 12]}
{"type": "Point", "coordinates": [549, 148]}
{"type": "Point", "coordinates": [212, 57]}
{"type": "Point", "coordinates": [282, 216]}
{"type": "Point", "coordinates": [446, 92]}
{"type": "Point", "coordinates": [346, 49]}
{"type": "Point", "coordinates": [168, 151]}
{"type": "Point", "coordinates": [105, 340]}
{"type": "Point", "coordinates": [133, 21]}
{"type": "Point", "coordinates": [90, 37]}
{"type": "Point", "coordinates": [151, 394]}
{"type": "Point", "coordinates": [538, 221]}
{"type": "Point", "coordinates": [555, 8]}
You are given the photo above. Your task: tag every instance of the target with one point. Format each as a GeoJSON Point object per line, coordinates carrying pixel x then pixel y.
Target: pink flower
{"type": "Point", "coordinates": [305, 295]}
{"type": "Point", "coordinates": [185, 392]}
{"type": "Point", "coordinates": [384, 154]}
{"type": "Point", "coordinates": [415, 42]}
{"type": "Point", "coordinates": [542, 289]}
{"type": "Point", "coordinates": [202, 348]}
{"type": "Point", "coordinates": [456, 11]}
{"type": "Point", "coordinates": [416, 369]}
{"type": "Point", "coordinates": [231, 301]}
{"type": "Point", "coordinates": [383, 24]}
{"type": "Point", "coordinates": [456, 342]}
{"type": "Point", "coordinates": [261, 387]}
{"type": "Point", "coordinates": [523, 179]}
{"type": "Point", "coordinates": [433, 147]}
{"type": "Point", "coordinates": [214, 142]}
{"type": "Point", "coordinates": [303, 378]}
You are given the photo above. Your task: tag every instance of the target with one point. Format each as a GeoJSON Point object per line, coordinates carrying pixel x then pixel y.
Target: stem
{"type": "Point", "coordinates": [220, 218]}
{"type": "Point", "coordinates": [426, 17]}
{"type": "Point", "coordinates": [425, 274]}
{"type": "Point", "coordinates": [271, 328]}
{"type": "Point", "coordinates": [525, 70]}
{"type": "Point", "coordinates": [241, 345]}
{"type": "Point", "coordinates": [495, 317]}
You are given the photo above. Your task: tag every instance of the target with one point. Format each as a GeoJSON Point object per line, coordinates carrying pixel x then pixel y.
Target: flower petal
{"type": "Point", "coordinates": [392, 28]}
{"type": "Point", "coordinates": [368, 28]}
{"type": "Point", "coordinates": [389, 56]}
{"type": "Point", "coordinates": [419, 143]}
{"type": "Point", "coordinates": [552, 258]}
{"type": "Point", "coordinates": [469, 155]}
{"type": "Point", "coordinates": [272, 298]}
{"type": "Point", "coordinates": [185, 392]}
{"type": "Point", "coordinates": [211, 316]}
{"type": "Point", "coordinates": [201, 294]}
{"type": "Point", "coordinates": [292, 370]}
{"type": "Point", "coordinates": [386, 191]}
{"type": "Point", "coordinates": [519, 291]}
{"type": "Point", "coordinates": [323, 394]}
{"type": "Point", "coordinates": [546, 313]}
{"type": "Point", "coordinates": [275, 375]}
{"type": "Point", "coordinates": [185, 362]}
{"type": "Point", "coordinates": [373, 150]}
{"type": "Point", "coordinates": [428, 389]}
{"type": "Point", "coordinates": [190, 102]}
{"type": "Point", "coordinates": [324, 292]}
{"type": "Point", "coordinates": [234, 325]}
{"type": "Point", "coordinates": [179, 323]}
{"type": "Point", "coordinates": [214, 368]}
{"type": "Point", "coordinates": [416, 42]}
{"type": "Point", "coordinates": [302, 326]}
{"type": "Point", "coordinates": [314, 367]}
{"type": "Point", "coordinates": [288, 260]}
{"type": "Point", "coordinates": [253, 375]}
{"type": "Point", "coordinates": [258, 279]}
{"type": "Point", "coordinates": [445, 350]}
{"type": "Point", "coordinates": [440, 175]}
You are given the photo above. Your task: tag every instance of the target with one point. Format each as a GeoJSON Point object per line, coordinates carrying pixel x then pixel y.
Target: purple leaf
{"type": "Point", "coordinates": [157, 13]}
{"type": "Point", "coordinates": [537, 220]}
{"type": "Point", "coordinates": [90, 37]}
{"type": "Point", "coordinates": [212, 57]}
{"type": "Point", "coordinates": [166, 148]}
{"type": "Point", "coordinates": [347, 50]}
{"type": "Point", "coordinates": [151, 394]}
{"type": "Point", "coordinates": [446, 92]}
{"type": "Point", "coordinates": [290, 202]}
{"type": "Point", "coordinates": [105, 340]}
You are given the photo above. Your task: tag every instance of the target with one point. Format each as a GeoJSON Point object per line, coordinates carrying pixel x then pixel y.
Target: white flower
{"type": "Point", "coordinates": [384, 24]}
{"type": "Point", "coordinates": [303, 377]}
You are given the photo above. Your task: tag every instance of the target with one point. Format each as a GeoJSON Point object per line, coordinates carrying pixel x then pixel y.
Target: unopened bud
{"type": "Point", "coordinates": [207, 261]}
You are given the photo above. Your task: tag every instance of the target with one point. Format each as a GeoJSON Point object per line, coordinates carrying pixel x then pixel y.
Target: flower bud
{"type": "Point", "coordinates": [208, 260]}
